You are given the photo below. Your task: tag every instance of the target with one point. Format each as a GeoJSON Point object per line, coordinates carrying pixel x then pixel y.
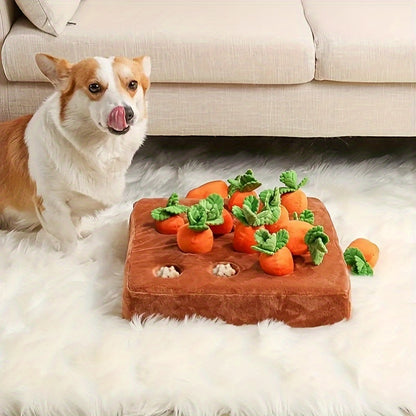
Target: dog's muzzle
{"type": "Point", "coordinates": [119, 120]}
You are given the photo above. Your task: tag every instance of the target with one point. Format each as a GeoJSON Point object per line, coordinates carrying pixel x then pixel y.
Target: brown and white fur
{"type": "Point", "coordinates": [69, 159]}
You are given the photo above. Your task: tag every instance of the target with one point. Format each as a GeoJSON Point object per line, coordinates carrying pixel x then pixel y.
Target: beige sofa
{"type": "Point", "coordinates": [237, 67]}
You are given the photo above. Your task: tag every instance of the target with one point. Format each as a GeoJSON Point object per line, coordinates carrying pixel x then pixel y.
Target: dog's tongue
{"type": "Point", "coordinates": [117, 119]}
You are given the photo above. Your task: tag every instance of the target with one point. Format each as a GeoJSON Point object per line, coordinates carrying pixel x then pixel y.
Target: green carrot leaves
{"type": "Point", "coordinates": [213, 204]}
{"type": "Point", "coordinates": [290, 179]}
{"type": "Point", "coordinates": [270, 197]}
{"type": "Point", "coordinates": [270, 243]}
{"type": "Point", "coordinates": [243, 183]}
{"type": "Point", "coordinates": [306, 216]}
{"type": "Point", "coordinates": [206, 212]}
{"type": "Point", "coordinates": [355, 259]}
{"type": "Point", "coordinates": [271, 201]}
{"type": "Point", "coordinates": [316, 240]}
{"type": "Point", "coordinates": [197, 218]}
{"type": "Point", "coordinates": [249, 215]}
{"type": "Point", "coordinates": [172, 208]}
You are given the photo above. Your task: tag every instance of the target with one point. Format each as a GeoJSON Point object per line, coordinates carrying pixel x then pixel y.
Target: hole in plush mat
{"type": "Point", "coordinates": [225, 269]}
{"type": "Point", "coordinates": [168, 271]}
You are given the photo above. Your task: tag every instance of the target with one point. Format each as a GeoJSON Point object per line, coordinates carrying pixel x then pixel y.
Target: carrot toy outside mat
{"type": "Point", "coordinates": [275, 258]}
{"type": "Point", "coordinates": [168, 219]}
{"type": "Point", "coordinates": [240, 187]}
{"type": "Point", "coordinates": [293, 198]}
{"type": "Point", "coordinates": [361, 256]}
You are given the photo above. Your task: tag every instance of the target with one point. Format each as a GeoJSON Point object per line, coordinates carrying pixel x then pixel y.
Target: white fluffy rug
{"type": "Point", "coordinates": [64, 349]}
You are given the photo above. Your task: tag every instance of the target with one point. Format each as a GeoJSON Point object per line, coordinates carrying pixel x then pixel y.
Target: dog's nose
{"type": "Point", "coordinates": [129, 113]}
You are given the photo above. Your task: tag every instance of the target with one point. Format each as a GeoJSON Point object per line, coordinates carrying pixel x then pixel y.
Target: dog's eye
{"type": "Point", "coordinates": [95, 87]}
{"type": "Point", "coordinates": [133, 85]}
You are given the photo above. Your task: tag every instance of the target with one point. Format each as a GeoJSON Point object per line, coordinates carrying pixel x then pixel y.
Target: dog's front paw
{"type": "Point", "coordinates": [67, 246]}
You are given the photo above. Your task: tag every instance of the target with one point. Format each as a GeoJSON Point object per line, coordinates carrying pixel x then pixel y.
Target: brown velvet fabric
{"type": "Point", "coordinates": [311, 296]}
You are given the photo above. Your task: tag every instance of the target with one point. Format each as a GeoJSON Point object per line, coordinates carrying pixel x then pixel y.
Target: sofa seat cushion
{"type": "Point", "coordinates": [232, 41]}
{"type": "Point", "coordinates": [364, 40]}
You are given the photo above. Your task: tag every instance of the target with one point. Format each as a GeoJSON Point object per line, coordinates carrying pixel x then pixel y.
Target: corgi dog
{"type": "Point", "coordinates": [70, 157]}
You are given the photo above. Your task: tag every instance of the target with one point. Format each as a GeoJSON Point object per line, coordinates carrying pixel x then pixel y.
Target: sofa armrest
{"type": "Point", "coordinates": [8, 14]}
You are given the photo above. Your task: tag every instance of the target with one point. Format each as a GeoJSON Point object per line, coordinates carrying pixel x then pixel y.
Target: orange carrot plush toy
{"type": "Point", "coordinates": [293, 198]}
{"type": "Point", "coordinates": [249, 220]}
{"type": "Point", "coordinates": [361, 256]}
{"type": "Point", "coordinates": [241, 187]}
{"type": "Point", "coordinates": [226, 227]}
{"type": "Point", "coordinates": [275, 258]}
{"type": "Point", "coordinates": [270, 199]}
{"type": "Point", "coordinates": [196, 236]}
{"type": "Point", "coordinates": [305, 238]}
{"type": "Point", "coordinates": [208, 188]}
{"type": "Point", "coordinates": [168, 219]}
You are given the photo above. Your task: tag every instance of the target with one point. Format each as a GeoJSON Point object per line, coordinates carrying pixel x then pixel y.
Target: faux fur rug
{"type": "Point", "coordinates": [64, 349]}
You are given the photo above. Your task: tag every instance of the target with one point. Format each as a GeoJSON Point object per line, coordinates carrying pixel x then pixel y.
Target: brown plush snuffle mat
{"type": "Point", "coordinates": [311, 296]}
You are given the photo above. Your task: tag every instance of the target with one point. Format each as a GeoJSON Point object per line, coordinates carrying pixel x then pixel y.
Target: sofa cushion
{"type": "Point", "coordinates": [51, 16]}
{"type": "Point", "coordinates": [232, 41]}
{"type": "Point", "coordinates": [364, 41]}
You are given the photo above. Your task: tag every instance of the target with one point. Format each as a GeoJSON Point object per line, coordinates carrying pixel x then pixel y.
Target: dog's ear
{"type": "Point", "coordinates": [55, 69]}
{"type": "Point", "coordinates": [146, 64]}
